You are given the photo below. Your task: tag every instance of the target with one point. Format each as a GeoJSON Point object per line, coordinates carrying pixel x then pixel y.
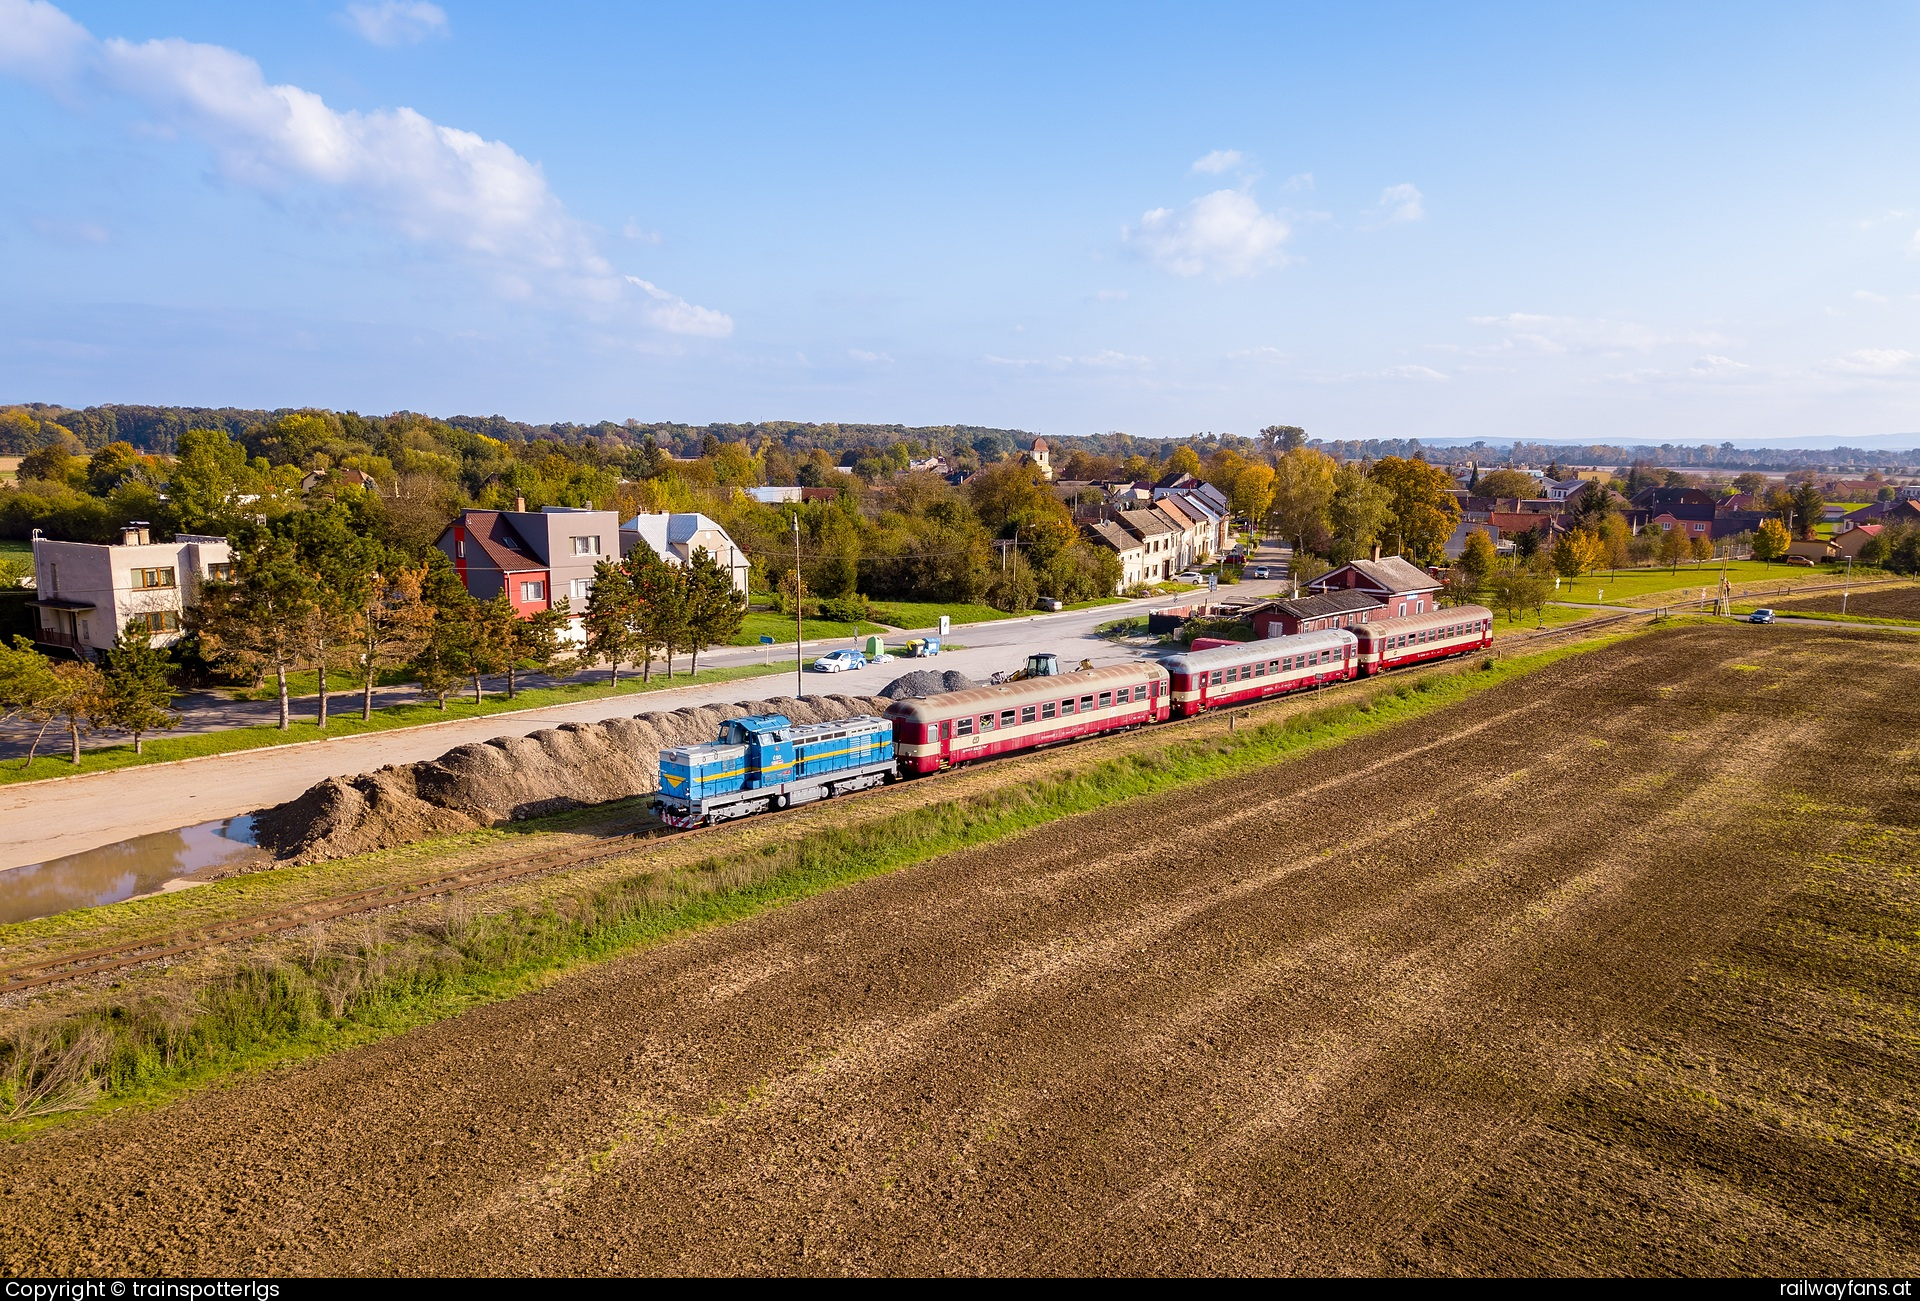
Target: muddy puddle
{"type": "Point", "coordinates": [123, 869]}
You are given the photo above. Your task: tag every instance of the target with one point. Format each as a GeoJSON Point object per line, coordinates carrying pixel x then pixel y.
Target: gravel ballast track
{"type": "Point", "coordinates": [1364, 1011]}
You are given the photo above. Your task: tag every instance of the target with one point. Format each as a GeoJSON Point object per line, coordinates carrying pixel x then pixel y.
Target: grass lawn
{"type": "Point", "coordinates": [12, 547]}
{"type": "Point", "coordinates": [1630, 584]}
{"type": "Point", "coordinates": [1748, 607]}
{"type": "Point", "coordinates": [161, 749]}
{"type": "Point", "coordinates": [780, 628]}
{"type": "Point", "coordinates": [1549, 617]}
{"type": "Point", "coordinates": [926, 614]}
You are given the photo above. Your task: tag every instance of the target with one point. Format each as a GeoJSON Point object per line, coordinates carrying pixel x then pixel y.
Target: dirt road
{"type": "Point", "coordinates": [1577, 976]}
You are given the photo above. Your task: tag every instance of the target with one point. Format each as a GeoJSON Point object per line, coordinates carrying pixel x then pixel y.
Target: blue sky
{"type": "Point", "coordinates": [1648, 224]}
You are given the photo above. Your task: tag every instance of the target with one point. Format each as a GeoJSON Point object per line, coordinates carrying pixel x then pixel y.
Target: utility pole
{"type": "Point", "coordinates": [799, 600]}
{"type": "Point", "coordinates": [1846, 586]}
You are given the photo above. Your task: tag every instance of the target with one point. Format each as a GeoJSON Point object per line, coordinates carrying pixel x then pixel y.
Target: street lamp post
{"type": "Point", "coordinates": [799, 599]}
{"type": "Point", "coordinates": [1846, 586]}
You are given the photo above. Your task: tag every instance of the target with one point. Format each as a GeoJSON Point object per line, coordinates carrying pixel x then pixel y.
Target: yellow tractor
{"type": "Point", "coordinates": [1044, 664]}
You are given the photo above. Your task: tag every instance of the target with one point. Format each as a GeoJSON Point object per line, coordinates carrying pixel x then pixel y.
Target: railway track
{"type": "Point", "coordinates": [119, 957]}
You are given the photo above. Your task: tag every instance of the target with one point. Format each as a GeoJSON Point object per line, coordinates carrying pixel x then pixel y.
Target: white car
{"type": "Point", "coordinates": [840, 661]}
{"type": "Point", "coordinates": [1191, 576]}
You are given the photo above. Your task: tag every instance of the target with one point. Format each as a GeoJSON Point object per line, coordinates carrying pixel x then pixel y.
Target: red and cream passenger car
{"type": "Point", "coordinates": [961, 726]}
{"type": "Point", "coordinates": [1255, 670]}
{"type": "Point", "coordinates": [1394, 643]}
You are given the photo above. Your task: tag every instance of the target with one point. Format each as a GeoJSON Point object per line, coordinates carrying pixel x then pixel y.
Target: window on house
{"type": "Point", "coordinates": [580, 588]}
{"type": "Point", "coordinates": [459, 548]}
{"type": "Point", "coordinates": [534, 591]}
{"type": "Point", "coordinates": [161, 621]}
{"type": "Point", "coordinates": [220, 573]}
{"type": "Point", "coordinates": [966, 727]}
{"type": "Point", "coordinates": [146, 579]}
{"type": "Point", "coordinates": [589, 546]}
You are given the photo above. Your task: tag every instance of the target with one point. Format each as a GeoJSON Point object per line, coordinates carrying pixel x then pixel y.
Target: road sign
{"type": "Point", "coordinates": [946, 625]}
{"type": "Point", "coordinates": [765, 640]}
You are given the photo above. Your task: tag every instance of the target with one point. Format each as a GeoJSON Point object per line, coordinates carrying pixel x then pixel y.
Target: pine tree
{"type": "Point", "coordinates": [715, 608]}
{"type": "Point", "coordinates": [136, 694]}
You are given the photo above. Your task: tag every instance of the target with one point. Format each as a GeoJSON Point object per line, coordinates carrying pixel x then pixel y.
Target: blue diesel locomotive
{"type": "Point", "coordinates": [765, 761]}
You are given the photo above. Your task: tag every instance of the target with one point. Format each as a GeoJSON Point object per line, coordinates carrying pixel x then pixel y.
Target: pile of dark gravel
{"type": "Point", "coordinates": [926, 682]}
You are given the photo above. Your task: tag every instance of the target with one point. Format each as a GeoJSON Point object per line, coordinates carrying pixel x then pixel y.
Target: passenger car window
{"type": "Point", "coordinates": [1046, 710]}
{"type": "Point", "coordinates": [1086, 703]}
{"type": "Point", "coordinates": [1006, 718]}
{"type": "Point", "coordinates": [1027, 714]}
{"type": "Point", "coordinates": [1066, 707]}
{"type": "Point", "coordinates": [1106, 699]}
{"type": "Point", "coordinates": [986, 722]}
{"type": "Point", "coordinates": [966, 727]}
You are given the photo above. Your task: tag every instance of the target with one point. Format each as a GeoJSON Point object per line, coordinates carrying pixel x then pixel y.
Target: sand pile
{"type": "Point", "coordinates": [508, 778]}
{"type": "Point", "coordinates": [926, 682]}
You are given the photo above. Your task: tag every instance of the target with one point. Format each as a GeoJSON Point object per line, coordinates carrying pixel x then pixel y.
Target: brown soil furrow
{"type": "Point", "coordinates": [1420, 1002]}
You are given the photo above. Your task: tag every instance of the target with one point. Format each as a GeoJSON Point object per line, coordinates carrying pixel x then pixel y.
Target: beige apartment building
{"type": "Point", "coordinates": [86, 593]}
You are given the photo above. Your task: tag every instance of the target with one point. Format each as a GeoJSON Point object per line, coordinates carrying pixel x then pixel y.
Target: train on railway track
{"type": "Point", "coordinates": [766, 762]}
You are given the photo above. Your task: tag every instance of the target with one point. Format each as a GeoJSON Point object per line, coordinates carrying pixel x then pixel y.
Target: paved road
{"type": "Point", "coordinates": [47, 819]}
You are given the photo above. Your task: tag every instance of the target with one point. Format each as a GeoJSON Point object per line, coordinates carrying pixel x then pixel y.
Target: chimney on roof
{"type": "Point", "coordinates": [133, 533]}
{"type": "Point", "coordinates": [519, 505]}
{"type": "Point", "coordinates": [1376, 551]}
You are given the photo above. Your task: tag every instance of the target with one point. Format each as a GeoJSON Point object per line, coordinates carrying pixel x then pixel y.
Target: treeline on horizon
{"type": "Point", "coordinates": [157, 430]}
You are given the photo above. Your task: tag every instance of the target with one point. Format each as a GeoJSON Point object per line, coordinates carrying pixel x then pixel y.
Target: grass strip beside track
{"type": "Point", "coordinates": [389, 974]}
{"type": "Point", "coordinates": [347, 722]}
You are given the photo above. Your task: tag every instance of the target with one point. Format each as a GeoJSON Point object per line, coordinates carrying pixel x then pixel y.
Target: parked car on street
{"type": "Point", "coordinates": [1049, 603]}
{"type": "Point", "coordinates": [1761, 615]}
{"type": "Point", "coordinates": [840, 661]}
{"type": "Point", "coordinates": [1190, 576]}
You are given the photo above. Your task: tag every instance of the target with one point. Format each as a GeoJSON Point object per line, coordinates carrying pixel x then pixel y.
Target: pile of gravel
{"type": "Point", "coordinates": [508, 778]}
{"type": "Point", "coordinates": [926, 682]}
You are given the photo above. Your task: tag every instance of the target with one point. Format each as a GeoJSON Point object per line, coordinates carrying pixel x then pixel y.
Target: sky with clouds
{"type": "Point", "coordinates": [1649, 224]}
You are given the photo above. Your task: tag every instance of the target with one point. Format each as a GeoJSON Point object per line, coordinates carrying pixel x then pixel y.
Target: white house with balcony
{"type": "Point", "coordinates": [86, 593]}
{"type": "Point", "coordinates": [674, 538]}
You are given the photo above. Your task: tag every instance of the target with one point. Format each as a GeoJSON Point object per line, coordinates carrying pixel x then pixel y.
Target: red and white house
{"type": "Point", "coordinates": [1395, 582]}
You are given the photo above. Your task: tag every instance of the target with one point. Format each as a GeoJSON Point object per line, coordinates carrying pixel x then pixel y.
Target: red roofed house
{"type": "Point", "coordinates": [538, 558]}
{"type": "Point", "coordinates": [1396, 582]}
{"type": "Point", "coordinates": [1846, 546]}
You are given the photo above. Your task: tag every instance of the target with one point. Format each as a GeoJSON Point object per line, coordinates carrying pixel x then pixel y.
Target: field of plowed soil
{"type": "Point", "coordinates": [1902, 602]}
{"type": "Point", "coordinates": [1612, 968]}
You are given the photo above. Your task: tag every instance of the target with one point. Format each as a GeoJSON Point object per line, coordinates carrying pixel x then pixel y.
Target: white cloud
{"type": "Point", "coordinates": [1106, 359]}
{"type": "Point", "coordinates": [1270, 355]}
{"type": "Point", "coordinates": [1424, 373]}
{"type": "Point", "coordinates": [676, 315]}
{"type": "Point", "coordinates": [1397, 203]}
{"type": "Point", "coordinates": [1868, 296]}
{"type": "Point", "coordinates": [1220, 160]}
{"type": "Point", "coordinates": [1875, 362]}
{"type": "Point", "coordinates": [397, 22]}
{"type": "Point", "coordinates": [1221, 234]}
{"type": "Point", "coordinates": [871, 358]}
{"type": "Point", "coordinates": [1713, 366]}
{"type": "Point", "coordinates": [1570, 334]}
{"type": "Point", "coordinates": [440, 186]}
{"type": "Point", "coordinates": [1299, 182]}
{"type": "Point", "coordinates": [633, 230]}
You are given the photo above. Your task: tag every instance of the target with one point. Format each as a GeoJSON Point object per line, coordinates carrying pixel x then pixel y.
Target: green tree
{"type": "Point", "coordinates": [206, 475]}
{"type": "Point", "coordinates": [136, 690]}
{"type": "Point", "coordinates": [1358, 512]}
{"type": "Point", "coordinates": [1478, 556]}
{"type": "Point", "coordinates": [27, 684]}
{"type": "Point", "coordinates": [76, 702]}
{"type": "Point", "coordinates": [533, 642]}
{"type": "Point", "coordinates": [440, 661]}
{"type": "Point", "coordinates": [1507, 483]}
{"type": "Point", "coordinates": [394, 622]}
{"type": "Point", "coordinates": [1771, 540]}
{"type": "Point", "coordinates": [1422, 506]}
{"type": "Point", "coordinates": [1517, 591]}
{"type": "Point", "coordinates": [1183, 460]}
{"type": "Point", "coordinates": [488, 635]}
{"type": "Point", "coordinates": [715, 608]}
{"type": "Point", "coordinates": [662, 612]}
{"type": "Point", "coordinates": [1807, 507]}
{"type": "Point", "coordinates": [1301, 506]}
{"type": "Point", "coordinates": [612, 616]}
{"type": "Point", "coordinates": [255, 622]}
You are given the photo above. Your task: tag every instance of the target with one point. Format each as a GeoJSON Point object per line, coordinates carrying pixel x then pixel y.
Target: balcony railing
{"type": "Point", "coordinates": [48, 637]}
